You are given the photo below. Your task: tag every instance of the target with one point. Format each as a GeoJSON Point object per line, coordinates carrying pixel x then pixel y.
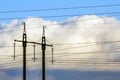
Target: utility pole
{"type": "Point", "coordinates": [43, 53]}
{"type": "Point", "coordinates": [24, 44]}
{"type": "Point", "coordinates": [43, 47]}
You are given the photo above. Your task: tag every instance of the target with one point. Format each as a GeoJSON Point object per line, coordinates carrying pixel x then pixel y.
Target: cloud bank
{"type": "Point", "coordinates": [84, 30]}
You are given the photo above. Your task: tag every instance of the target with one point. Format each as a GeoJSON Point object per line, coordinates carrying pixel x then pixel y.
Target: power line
{"type": "Point", "coordinates": [67, 15]}
{"type": "Point", "coordinates": [79, 62]}
{"type": "Point", "coordinates": [91, 52]}
{"type": "Point", "coordinates": [75, 48]}
{"type": "Point", "coordinates": [58, 44]}
{"type": "Point", "coordinates": [104, 42]}
{"type": "Point", "coordinates": [76, 62]}
{"type": "Point", "coordinates": [56, 53]}
{"type": "Point", "coordinates": [63, 8]}
{"type": "Point", "coordinates": [50, 24]}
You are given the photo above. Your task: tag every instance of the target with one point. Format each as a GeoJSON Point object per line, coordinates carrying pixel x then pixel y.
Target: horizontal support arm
{"type": "Point", "coordinates": [33, 43]}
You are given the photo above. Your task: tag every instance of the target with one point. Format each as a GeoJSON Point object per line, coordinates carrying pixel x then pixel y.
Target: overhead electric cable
{"type": "Point", "coordinates": [67, 15]}
{"type": "Point", "coordinates": [62, 8]}
{"type": "Point", "coordinates": [55, 23]}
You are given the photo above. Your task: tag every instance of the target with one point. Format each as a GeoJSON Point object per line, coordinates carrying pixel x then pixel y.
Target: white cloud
{"type": "Point", "coordinates": [83, 29]}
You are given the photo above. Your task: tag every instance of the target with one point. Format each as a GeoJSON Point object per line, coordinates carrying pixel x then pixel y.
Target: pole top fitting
{"type": "Point", "coordinates": [44, 30]}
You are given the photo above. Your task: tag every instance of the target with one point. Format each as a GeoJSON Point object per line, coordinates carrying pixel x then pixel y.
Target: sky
{"type": "Point", "coordinates": [46, 4]}
{"type": "Point", "coordinates": [76, 55]}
